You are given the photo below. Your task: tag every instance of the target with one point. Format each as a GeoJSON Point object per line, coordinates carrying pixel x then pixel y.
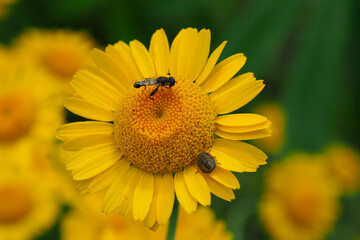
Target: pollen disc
{"type": "Point", "coordinates": [167, 133]}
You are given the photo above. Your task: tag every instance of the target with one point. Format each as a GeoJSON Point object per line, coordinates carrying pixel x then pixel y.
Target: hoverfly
{"type": "Point", "coordinates": [206, 162]}
{"type": "Point", "coordinates": [160, 82]}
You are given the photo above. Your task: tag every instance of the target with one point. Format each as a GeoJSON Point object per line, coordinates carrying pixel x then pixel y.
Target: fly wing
{"type": "Point", "coordinates": [147, 81]}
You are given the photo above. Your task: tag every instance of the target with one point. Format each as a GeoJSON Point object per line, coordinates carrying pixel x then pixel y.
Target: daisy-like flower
{"type": "Point", "coordinates": [27, 206]}
{"type": "Point", "coordinates": [344, 166]}
{"type": "Point", "coordinates": [143, 150]}
{"type": "Point", "coordinates": [60, 52]}
{"type": "Point", "coordinates": [30, 111]}
{"type": "Point", "coordinates": [276, 114]}
{"type": "Point", "coordinates": [300, 200]}
{"type": "Point", "coordinates": [85, 223]}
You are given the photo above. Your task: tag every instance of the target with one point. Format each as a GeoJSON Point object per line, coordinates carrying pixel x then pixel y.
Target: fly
{"type": "Point", "coordinates": [160, 82]}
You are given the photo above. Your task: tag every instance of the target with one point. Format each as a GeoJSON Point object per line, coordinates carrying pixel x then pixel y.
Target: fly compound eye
{"type": "Point", "coordinates": [206, 162]}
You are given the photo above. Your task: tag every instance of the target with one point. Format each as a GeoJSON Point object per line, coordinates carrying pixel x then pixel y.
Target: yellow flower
{"type": "Point", "coordinates": [299, 199]}
{"type": "Point", "coordinates": [344, 166]}
{"type": "Point", "coordinates": [200, 225]}
{"type": "Point", "coordinates": [6, 57]}
{"type": "Point", "coordinates": [4, 4]}
{"type": "Point", "coordinates": [144, 150]}
{"type": "Point", "coordinates": [85, 223]}
{"type": "Point", "coordinates": [30, 111]}
{"type": "Point", "coordinates": [27, 207]}
{"type": "Point", "coordinates": [276, 115]}
{"type": "Point", "coordinates": [60, 52]}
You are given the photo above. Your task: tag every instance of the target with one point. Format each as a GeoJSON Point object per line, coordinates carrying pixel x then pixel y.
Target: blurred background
{"type": "Point", "coordinates": [306, 52]}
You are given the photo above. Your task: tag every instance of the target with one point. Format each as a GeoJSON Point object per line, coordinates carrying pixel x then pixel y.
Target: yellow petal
{"type": "Point", "coordinates": [87, 141]}
{"type": "Point", "coordinates": [106, 178]}
{"type": "Point", "coordinates": [125, 204]}
{"type": "Point", "coordinates": [250, 156]}
{"type": "Point", "coordinates": [218, 189]}
{"type": "Point", "coordinates": [238, 97]}
{"type": "Point", "coordinates": [197, 186]}
{"type": "Point", "coordinates": [96, 90]}
{"type": "Point", "coordinates": [82, 186]}
{"type": "Point", "coordinates": [227, 162]}
{"type": "Point", "coordinates": [155, 227]}
{"type": "Point", "coordinates": [244, 136]}
{"type": "Point", "coordinates": [186, 48]}
{"type": "Point", "coordinates": [174, 51]}
{"type": "Point", "coordinates": [165, 199]}
{"type": "Point", "coordinates": [143, 196]}
{"type": "Point", "coordinates": [77, 129]}
{"type": "Point", "coordinates": [124, 56]}
{"type": "Point", "coordinates": [151, 218]}
{"type": "Point", "coordinates": [242, 122]}
{"type": "Point", "coordinates": [209, 66]}
{"type": "Point", "coordinates": [223, 72]}
{"type": "Point", "coordinates": [231, 85]}
{"type": "Point", "coordinates": [121, 86]}
{"type": "Point", "coordinates": [91, 161]}
{"type": "Point", "coordinates": [126, 65]}
{"type": "Point", "coordinates": [142, 59]}
{"type": "Point", "coordinates": [185, 199]}
{"type": "Point", "coordinates": [242, 126]}
{"type": "Point", "coordinates": [78, 157]}
{"type": "Point", "coordinates": [159, 51]}
{"type": "Point", "coordinates": [109, 65]}
{"type": "Point", "coordinates": [88, 110]}
{"type": "Point", "coordinates": [197, 58]}
{"type": "Point", "coordinates": [225, 177]}
{"type": "Point", "coordinates": [114, 193]}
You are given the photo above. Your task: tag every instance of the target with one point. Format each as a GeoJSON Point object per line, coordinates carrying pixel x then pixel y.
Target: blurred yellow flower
{"type": "Point", "coordinates": [27, 206]}
{"type": "Point", "coordinates": [276, 115]}
{"type": "Point", "coordinates": [60, 52]}
{"type": "Point", "coordinates": [143, 150]}
{"type": "Point", "coordinates": [201, 225]}
{"type": "Point", "coordinates": [86, 223]}
{"type": "Point", "coordinates": [30, 111]}
{"type": "Point", "coordinates": [4, 4]}
{"type": "Point", "coordinates": [299, 200]}
{"type": "Point", "coordinates": [6, 57]}
{"type": "Point", "coordinates": [344, 166]}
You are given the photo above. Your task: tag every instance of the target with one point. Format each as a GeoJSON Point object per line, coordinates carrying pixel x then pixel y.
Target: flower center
{"type": "Point", "coordinates": [15, 203]}
{"type": "Point", "coordinates": [61, 62]}
{"type": "Point", "coordinates": [167, 133]}
{"type": "Point", "coordinates": [16, 116]}
{"type": "Point", "coordinates": [303, 204]}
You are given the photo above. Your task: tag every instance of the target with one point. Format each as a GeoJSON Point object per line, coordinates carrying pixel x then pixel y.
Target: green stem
{"type": "Point", "coordinates": [173, 222]}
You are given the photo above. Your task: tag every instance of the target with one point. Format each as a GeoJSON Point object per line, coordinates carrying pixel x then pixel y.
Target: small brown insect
{"type": "Point", "coordinates": [206, 162]}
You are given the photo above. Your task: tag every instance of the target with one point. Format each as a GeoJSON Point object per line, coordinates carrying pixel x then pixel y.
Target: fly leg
{"type": "Point", "coordinates": [144, 88]}
{"type": "Point", "coordinates": [153, 92]}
